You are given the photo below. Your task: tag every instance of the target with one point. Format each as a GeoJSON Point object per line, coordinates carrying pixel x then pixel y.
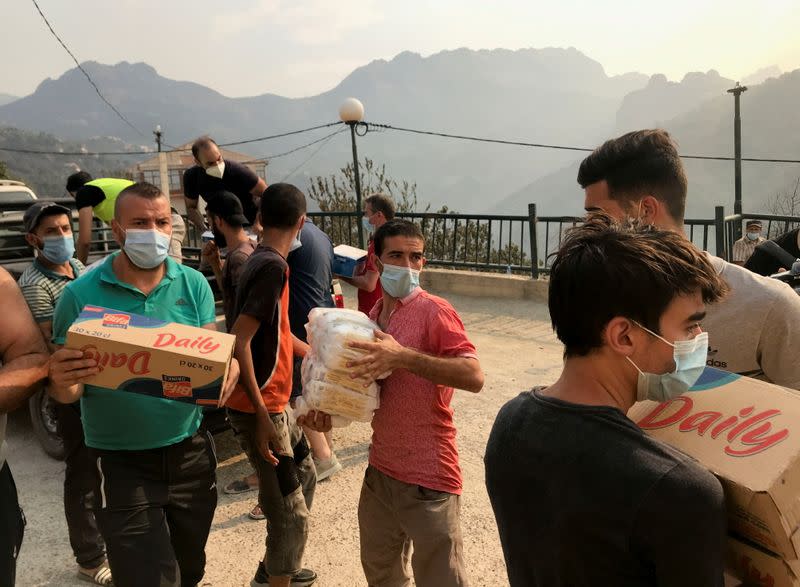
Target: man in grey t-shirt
{"type": "Point", "coordinates": [755, 331]}
{"type": "Point", "coordinates": [23, 353]}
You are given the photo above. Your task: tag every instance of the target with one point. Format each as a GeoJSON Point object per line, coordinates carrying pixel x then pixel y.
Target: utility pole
{"type": "Point", "coordinates": [162, 163]}
{"type": "Point", "coordinates": [737, 154]}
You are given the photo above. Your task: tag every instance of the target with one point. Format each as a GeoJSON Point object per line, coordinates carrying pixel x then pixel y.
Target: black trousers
{"type": "Point", "coordinates": [12, 527]}
{"type": "Point", "coordinates": [84, 536]}
{"type": "Point", "coordinates": [154, 509]}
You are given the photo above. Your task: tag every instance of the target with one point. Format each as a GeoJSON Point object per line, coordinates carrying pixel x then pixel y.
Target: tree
{"type": "Point", "coordinates": [784, 203]}
{"type": "Point", "coordinates": [3, 171]}
{"type": "Point", "coordinates": [447, 237]}
{"type": "Point", "coordinates": [337, 194]}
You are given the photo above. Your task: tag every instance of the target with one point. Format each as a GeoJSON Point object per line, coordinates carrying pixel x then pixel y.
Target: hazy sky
{"type": "Point", "coordinates": [303, 47]}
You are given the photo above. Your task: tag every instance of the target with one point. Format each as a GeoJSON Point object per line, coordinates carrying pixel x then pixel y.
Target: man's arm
{"type": "Point", "coordinates": [367, 281]}
{"type": "Point", "coordinates": [680, 528]}
{"type": "Point", "coordinates": [299, 348]}
{"type": "Point", "coordinates": [233, 372]}
{"type": "Point", "coordinates": [193, 212]}
{"type": "Point", "coordinates": [258, 190]}
{"type": "Point", "coordinates": [85, 218]}
{"type": "Point", "coordinates": [22, 348]}
{"type": "Point", "coordinates": [210, 254]}
{"type": "Point", "coordinates": [47, 332]}
{"type": "Point", "coordinates": [267, 436]}
{"type": "Point", "coordinates": [387, 354]}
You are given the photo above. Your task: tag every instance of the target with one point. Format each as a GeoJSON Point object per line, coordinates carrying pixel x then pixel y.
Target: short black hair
{"type": "Point", "coordinates": [142, 189]}
{"type": "Point", "coordinates": [381, 203]}
{"type": "Point", "coordinates": [605, 269]}
{"type": "Point", "coordinates": [201, 143]}
{"type": "Point", "coordinates": [77, 180]}
{"type": "Point", "coordinates": [282, 205]}
{"type": "Point", "coordinates": [396, 227]}
{"type": "Point", "coordinates": [637, 164]}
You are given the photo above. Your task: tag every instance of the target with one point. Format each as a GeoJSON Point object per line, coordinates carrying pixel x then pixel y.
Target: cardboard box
{"type": "Point", "coordinates": [758, 568]}
{"type": "Point", "coordinates": [345, 259]}
{"type": "Point", "coordinates": [747, 432]}
{"type": "Point", "coordinates": [161, 359]}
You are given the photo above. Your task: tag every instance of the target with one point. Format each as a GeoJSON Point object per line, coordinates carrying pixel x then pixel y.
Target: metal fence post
{"type": "Point", "coordinates": [534, 247]}
{"type": "Point", "coordinates": [719, 229]}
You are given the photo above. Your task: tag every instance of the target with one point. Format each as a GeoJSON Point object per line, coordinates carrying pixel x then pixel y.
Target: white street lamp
{"type": "Point", "coordinates": [351, 112]}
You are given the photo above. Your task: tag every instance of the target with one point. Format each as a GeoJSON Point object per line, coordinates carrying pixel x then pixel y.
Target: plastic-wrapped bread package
{"type": "Point", "coordinates": [328, 384]}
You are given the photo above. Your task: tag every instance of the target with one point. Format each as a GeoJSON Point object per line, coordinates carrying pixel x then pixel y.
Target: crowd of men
{"type": "Point", "coordinates": [580, 494]}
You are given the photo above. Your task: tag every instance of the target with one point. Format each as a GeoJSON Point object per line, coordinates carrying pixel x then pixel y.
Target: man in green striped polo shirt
{"type": "Point", "coordinates": [48, 230]}
{"type": "Point", "coordinates": [154, 478]}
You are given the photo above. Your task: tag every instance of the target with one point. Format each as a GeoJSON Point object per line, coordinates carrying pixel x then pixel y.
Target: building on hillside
{"type": "Point", "coordinates": [179, 161]}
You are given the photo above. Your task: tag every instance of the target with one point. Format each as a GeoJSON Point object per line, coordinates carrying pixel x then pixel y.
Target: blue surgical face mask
{"type": "Point", "coordinates": [399, 282]}
{"type": "Point", "coordinates": [366, 224]}
{"type": "Point", "coordinates": [147, 249]}
{"type": "Point", "coordinates": [58, 249]}
{"type": "Point", "coordinates": [690, 359]}
{"type": "Point", "coordinates": [753, 236]}
{"type": "Point", "coordinates": [296, 244]}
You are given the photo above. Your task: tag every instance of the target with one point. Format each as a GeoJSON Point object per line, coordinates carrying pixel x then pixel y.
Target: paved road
{"type": "Point", "coordinates": [517, 350]}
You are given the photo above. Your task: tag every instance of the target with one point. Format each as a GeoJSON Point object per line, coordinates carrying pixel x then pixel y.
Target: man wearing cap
{"type": "Point", "coordinates": [48, 230]}
{"type": "Point", "coordinates": [95, 198]}
{"type": "Point", "coordinates": [227, 221]}
{"type": "Point", "coordinates": [744, 247]}
{"type": "Point", "coordinates": [212, 175]}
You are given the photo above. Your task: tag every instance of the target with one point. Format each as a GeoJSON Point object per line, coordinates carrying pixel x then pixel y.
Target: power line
{"type": "Point", "coordinates": [285, 134]}
{"type": "Point", "coordinates": [174, 150]}
{"type": "Point", "coordinates": [75, 153]}
{"type": "Point", "coordinates": [80, 67]}
{"type": "Point", "coordinates": [558, 147]}
{"type": "Point", "coordinates": [382, 127]}
{"type": "Point", "coordinates": [310, 157]}
{"type": "Point", "coordinates": [300, 148]}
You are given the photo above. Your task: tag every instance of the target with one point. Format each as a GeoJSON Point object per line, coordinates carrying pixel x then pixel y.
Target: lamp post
{"type": "Point", "coordinates": [737, 154]}
{"type": "Point", "coordinates": [163, 169]}
{"type": "Point", "coordinates": [351, 112]}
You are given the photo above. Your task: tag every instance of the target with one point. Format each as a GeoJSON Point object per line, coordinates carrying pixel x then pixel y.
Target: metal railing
{"type": "Point", "coordinates": [465, 241]}
{"type": "Point", "coordinates": [518, 244]}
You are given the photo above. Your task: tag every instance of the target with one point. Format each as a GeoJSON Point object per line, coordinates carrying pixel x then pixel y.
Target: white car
{"type": "Point", "coordinates": [15, 192]}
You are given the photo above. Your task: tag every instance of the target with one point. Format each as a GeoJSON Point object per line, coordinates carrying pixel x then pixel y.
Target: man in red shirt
{"type": "Point", "coordinates": [412, 486]}
{"type": "Point", "coordinates": [378, 210]}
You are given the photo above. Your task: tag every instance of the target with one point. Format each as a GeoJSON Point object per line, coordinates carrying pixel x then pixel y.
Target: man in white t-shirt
{"type": "Point", "coordinates": [755, 331]}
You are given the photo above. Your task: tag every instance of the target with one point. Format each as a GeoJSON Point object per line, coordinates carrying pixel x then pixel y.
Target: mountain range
{"type": "Point", "coordinates": [553, 96]}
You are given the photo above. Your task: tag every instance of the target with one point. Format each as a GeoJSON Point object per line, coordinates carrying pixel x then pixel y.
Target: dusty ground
{"type": "Point", "coordinates": [517, 351]}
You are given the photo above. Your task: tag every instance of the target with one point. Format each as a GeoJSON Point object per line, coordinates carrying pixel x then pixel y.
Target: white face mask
{"type": "Point", "coordinates": [690, 361]}
{"type": "Point", "coordinates": [146, 249]}
{"type": "Point", "coordinates": [296, 244]}
{"type": "Point", "coordinates": [216, 169]}
{"type": "Point", "coordinates": [753, 236]}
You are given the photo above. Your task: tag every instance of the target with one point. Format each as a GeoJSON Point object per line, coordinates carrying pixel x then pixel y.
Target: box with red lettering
{"type": "Point", "coordinates": [151, 357]}
{"type": "Point", "coordinates": [755, 566]}
{"type": "Point", "coordinates": [746, 432]}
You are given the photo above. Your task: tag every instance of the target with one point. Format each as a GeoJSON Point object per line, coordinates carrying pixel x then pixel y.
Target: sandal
{"type": "Point", "coordinates": [100, 576]}
{"type": "Point", "coordinates": [256, 513]}
{"type": "Point", "coordinates": [238, 486]}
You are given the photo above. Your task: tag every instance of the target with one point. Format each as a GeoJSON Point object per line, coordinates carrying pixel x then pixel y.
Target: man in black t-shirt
{"type": "Point", "coordinates": [258, 409]}
{"type": "Point", "coordinates": [213, 174]}
{"type": "Point", "coordinates": [581, 495]}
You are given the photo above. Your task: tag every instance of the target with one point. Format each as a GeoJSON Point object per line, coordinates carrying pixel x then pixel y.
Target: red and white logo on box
{"type": "Point", "coordinates": [116, 320]}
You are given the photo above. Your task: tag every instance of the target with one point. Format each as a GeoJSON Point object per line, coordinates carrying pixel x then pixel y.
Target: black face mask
{"type": "Point", "coordinates": [219, 238]}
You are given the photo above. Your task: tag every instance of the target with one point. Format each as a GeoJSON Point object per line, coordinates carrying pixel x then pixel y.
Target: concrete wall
{"type": "Point", "coordinates": [485, 285]}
